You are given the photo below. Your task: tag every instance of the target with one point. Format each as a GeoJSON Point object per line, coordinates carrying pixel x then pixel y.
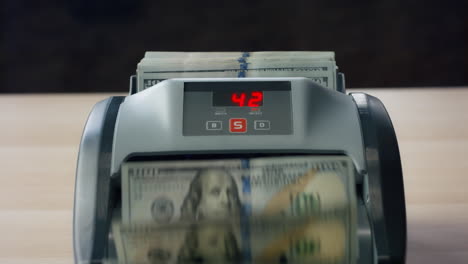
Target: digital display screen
{"type": "Point", "coordinates": [238, 94]}
{"type": "Point", "coordinates": [238, 98]}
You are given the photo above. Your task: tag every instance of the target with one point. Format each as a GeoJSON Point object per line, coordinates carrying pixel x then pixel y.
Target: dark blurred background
{"type": "Point", "coordinates": [94, 45]}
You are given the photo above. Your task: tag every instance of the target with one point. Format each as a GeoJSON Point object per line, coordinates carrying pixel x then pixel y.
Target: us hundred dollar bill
{"type": "Point", "coordinates": [158, 66]}
{"type": "Point", "coordinates": [314, 55]}
{"type": "Point", "coordinates": [170, 191]}
{"type": "Point", "coordinates": [311, 239]}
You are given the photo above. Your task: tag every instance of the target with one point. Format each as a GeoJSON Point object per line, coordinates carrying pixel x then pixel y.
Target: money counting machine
{"type": "Point", "coordinates": [181, 119]}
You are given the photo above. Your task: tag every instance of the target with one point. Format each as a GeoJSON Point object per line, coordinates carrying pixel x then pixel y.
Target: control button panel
{"type": "Point", "coordinates": [237, 108]}
{"type": "Point", "coordinates": [214, 125]}
{"type": "Point", "coordinates": [262, 125]}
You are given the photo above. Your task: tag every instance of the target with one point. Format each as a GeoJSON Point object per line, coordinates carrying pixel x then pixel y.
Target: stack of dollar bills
{"type": "Point", "coordinates": [155, 67]}
{"type": "Point", "coordinates": [289, 209]}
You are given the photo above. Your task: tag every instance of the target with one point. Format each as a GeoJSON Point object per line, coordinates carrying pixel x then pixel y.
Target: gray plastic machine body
{"type": "Point", "coordinates": [153, 124]}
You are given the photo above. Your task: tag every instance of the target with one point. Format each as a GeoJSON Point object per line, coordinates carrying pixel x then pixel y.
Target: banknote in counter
{"type": "Point", "coordinates": [311, 239]}
{"type": "Point", "coordinates": [168, 191]}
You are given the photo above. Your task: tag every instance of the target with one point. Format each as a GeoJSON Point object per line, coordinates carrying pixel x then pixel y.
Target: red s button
{"type": "Point", "coordinates": [237, 125]}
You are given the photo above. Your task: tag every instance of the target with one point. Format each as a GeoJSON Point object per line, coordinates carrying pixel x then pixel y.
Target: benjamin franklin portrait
{"type": "Point", "coordinates": [210, 244]}
{"type": "Point", "coordinates": [212, 193]}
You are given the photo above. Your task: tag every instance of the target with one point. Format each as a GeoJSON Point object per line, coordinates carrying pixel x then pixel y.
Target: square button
{"type": "Point", "coordinates": [214, 125]}
{"type": "Point", "coordinates": [237, 125]}
{"type": "Point", "coordinates": [262, 125]}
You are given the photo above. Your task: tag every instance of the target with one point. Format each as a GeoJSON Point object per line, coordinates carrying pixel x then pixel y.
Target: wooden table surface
{"type": "Point", "coordinates": [39, 137]}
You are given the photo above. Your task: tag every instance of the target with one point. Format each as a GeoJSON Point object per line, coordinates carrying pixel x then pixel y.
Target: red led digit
{"type": "Point", "coordinates": [239, 100]}
{"type": "Point", "coordinates": [255, 99]}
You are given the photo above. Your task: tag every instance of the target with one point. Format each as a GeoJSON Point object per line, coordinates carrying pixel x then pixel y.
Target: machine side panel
{"type": "Point", "coordinates": [86, 183]}
{"type": "Point", "coordinates": [92, 187]}
{"type": "Point", "coordinates": [386, 201]}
